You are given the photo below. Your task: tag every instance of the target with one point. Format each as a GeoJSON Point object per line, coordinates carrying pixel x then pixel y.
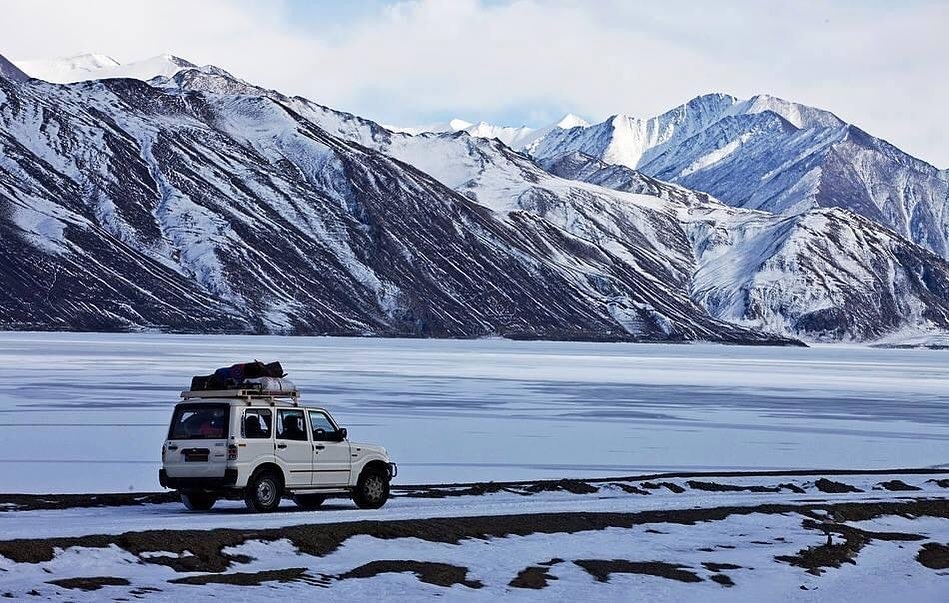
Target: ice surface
{"type": "Point", "coordinates": [88, 412]}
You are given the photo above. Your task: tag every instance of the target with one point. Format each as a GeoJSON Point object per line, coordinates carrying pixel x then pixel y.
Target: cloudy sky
{"type": "Point", "coordinates": [878, 64]}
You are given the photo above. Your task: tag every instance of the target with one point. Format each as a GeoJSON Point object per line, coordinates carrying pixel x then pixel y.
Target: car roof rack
{"type": "Point", "coordinates": [247, 395]}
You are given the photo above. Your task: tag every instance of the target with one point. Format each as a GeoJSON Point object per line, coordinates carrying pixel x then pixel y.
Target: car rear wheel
{"type": "Point", "coordinates": [264, 491]}
{"type": "Point", "coordinates": [372, 489]}
{"type": "Point", "coordinates": [197, 500]}
{"type": "Point", "coordinates": [309, 501]}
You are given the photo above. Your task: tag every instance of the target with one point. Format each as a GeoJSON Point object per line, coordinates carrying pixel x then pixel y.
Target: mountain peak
{"type": "Point", "coordinates": [572, 121]}
{"type": "Point", "coordinates": [170, 58]}
{"type": "Point", "coordinates": [801, 116]}
{"type": "Point", "coordinates": [459, 124]}
{"type": "Point", "coordinates": [90, 60]}
{"type": "Point", "coordinates": [90, 66]}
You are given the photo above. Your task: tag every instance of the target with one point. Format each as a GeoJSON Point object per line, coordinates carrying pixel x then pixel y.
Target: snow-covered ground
{"type": "Point", "coordinates": [680, 541]}
{"type": "Point", "coordinates": [87, 412]}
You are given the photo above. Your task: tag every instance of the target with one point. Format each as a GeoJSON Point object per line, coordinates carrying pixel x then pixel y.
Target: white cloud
{"type": "Point", "coordinates": [878, 65]}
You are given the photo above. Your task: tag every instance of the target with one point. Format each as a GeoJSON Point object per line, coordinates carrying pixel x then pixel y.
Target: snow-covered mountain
{"type": "Point", "coordinates": [826, 273]}
{"type": "Point", "coordinates": [517, 138]}
{"type": "Point", "coordinates": [85, 67]}
{"type": "Point", "coordinates": [197, 201]}
{"type": "Point", "coordinates": [128, 205]}
{"type": "Point", "coordinates": [821, 274]}
{"type": "Point", "coordinates": [770, 154]}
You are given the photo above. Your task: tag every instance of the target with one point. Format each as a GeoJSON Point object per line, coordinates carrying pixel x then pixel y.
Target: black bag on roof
{"type": "Point", "coordinates": [231, 377]}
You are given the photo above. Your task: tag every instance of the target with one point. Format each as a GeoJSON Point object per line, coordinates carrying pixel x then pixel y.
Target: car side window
{"type": "Point", "coordinates": [321, 425]}
{"type": "Point", "coordinates": [291, 425]}
{"type": "Point", "coordinates": [257, 423]}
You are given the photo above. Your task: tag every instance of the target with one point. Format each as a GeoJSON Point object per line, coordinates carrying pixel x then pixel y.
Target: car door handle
{"type": "Point", "coordinates": [281, 445]}
{"type": "Point", "coordinates": [319, 447]}
{"type": "Point", "coordinates": [172, 447]}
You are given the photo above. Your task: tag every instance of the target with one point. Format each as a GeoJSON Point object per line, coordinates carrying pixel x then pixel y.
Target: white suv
{"type": "Point", "coordinates": [265, 445]}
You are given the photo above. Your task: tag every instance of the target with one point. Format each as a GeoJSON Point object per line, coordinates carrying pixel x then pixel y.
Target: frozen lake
{"type": "Point", "coordinates": [88, 412]}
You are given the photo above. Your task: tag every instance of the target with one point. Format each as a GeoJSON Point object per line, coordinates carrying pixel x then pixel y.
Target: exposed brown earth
{"type": "Point", "coordinates": [716, 487]}
{"type": "Point", "coordinates": [722, 579]}
{"type": "Point", "coordinates": [814, 559]}
{"type": "Point", "coordinates": [895, 485]}
{"type": "Point", "coordinates": [535, 576]}
{"type": "Point", "coordinates": [574, 486]}
{"type": "Point", "coordinates": [631, 489]}
{"type": "Point", "coordinates": [601, 569]}
{"type": "Point", "coordinates": [667, 485]}
{"type": "Point", "coordinates": [832, 487]}
{"type": "Point", "coordinates": [89, 584]}
{"type": "Point", "coordinates": [934, 555]}
{"type": "Point", "coordinates": [29, 502]}
{"type": "Point", "coordinates": [719, 567]}
{"type": "Point", "coordinates": [439, 574]}
{"type": "Point", "coordinates": [293, 574]}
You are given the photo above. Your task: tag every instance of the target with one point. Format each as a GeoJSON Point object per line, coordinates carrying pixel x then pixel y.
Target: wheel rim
{"type": "Point", "coordinates": [266, 492]}
{"type": "Point", "coordinates": [374, 488]}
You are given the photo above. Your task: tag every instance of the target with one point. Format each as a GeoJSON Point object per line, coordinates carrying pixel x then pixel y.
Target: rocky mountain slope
{"type": "Point", "coordinates": [128, 205]}
{"type": "Point", "coordinates": [769, 154]}
{"type": "Point", "coordinates": [267, 213]}
{"type": "Point", "coordinates": [11, 72]}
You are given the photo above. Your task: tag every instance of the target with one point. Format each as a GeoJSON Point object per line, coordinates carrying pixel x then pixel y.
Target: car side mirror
{"type": "Point", "coordinates": [342, 433]}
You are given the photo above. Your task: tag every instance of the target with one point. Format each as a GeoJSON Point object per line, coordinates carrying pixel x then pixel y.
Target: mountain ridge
{"type": "Point", "coordinates": [269, 213]}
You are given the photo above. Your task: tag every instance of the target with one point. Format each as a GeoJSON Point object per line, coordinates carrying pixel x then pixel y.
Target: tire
{"type": "Point", "coordinates": [197, 500]}
{"type": "Point", "coordinates": [309, 501]}
{"type": "Point", "coordinates": [372, 489]}
{"type": "Point", "coordinates": [264, 491]}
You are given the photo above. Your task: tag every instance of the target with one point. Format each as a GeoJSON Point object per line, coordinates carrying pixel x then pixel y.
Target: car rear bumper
{"type": "Point", "coordinates": [198, 483]}
{"type": "Point", "coordinates": [393, 470]}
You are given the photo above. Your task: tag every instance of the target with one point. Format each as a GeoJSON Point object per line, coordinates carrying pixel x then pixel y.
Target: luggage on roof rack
{"type": "Point", "coordinates": [244, 375]}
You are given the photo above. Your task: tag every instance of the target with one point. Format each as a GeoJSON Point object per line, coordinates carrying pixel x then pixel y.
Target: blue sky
{"type": "Point", "coordinates": [877, 64]}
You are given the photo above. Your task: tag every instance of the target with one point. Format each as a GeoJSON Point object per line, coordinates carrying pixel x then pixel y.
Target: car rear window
{"type": "Point", "coordinates": [199, 422]}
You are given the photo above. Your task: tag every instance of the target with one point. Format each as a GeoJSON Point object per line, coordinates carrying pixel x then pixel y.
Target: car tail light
{"type": "Point", "coordinates": [232, 452]}
{"type": "Point", "coordinates": [163, 453]}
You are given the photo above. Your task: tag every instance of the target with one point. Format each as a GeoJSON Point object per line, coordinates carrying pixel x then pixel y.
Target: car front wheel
{"type": "Point", "coordinates": [264, 491]}
{"type": "Point", "coordinates": [372, 490]}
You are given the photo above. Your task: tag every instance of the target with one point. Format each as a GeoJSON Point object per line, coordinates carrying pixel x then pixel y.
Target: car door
{"type": "Point", "coordinates": [332, 459]}
{"type": "Point", "coordinates": [293, 447]}
{"type": "Point", "coordinates": [257, 435]}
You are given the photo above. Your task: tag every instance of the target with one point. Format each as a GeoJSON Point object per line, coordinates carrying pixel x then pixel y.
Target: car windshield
{"type": "Point", "coordinates": [199, 422]}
